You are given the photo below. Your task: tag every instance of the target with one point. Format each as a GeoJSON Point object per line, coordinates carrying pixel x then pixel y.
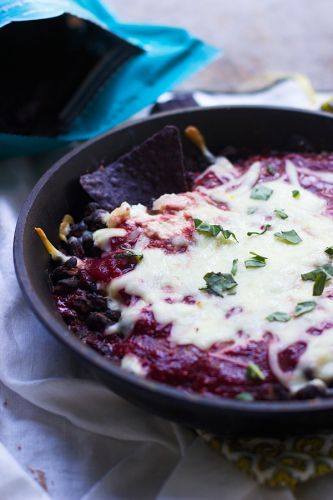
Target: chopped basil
{"type": "Point", "coordinates": [319, 275]}
{"type": "Point", "coordinates": [217, 283]}
{"type": "Point", "coordinates": [212, 229]}
{"type": "Point", "coordinates": [256, 261]}
{"type": "Point", "coordinates": [278, 316]}
{"type": "Point", "coordinates": [312, 275]}
{"type": "Point", "coordinates": [244, 396]}
{"type": "Point", "coordinates": [329, 251]}
{"type": "Point", "coordinates": [319, 284]}
{"type": "Point", "coordinates": [271, 169]}
{"type": "Point", "coordinates": [209, 229]}
{"type": "Point", "coordinates": [226, 234]}
{"type": "Point", "coordinates": [250, 233]}
{"type": "Point", "coordinates": [251, 210]}
{"type": "Point", "coordinates": [304, 307]}
{"type": "Point", "coordinates": [261, 193]}
{"type": "Point", "coordinates": [281, 213]}
{"type": "Point", "coordinates": [129, 253]}
{"type": "Point", "coordinates": [254, 372]}
{"type": "Point", "coordinates": [288, 237]}
{"type": "Point", "coordinates": [234, 267]}
{"type": "Point", "coordinates": [296, 193]}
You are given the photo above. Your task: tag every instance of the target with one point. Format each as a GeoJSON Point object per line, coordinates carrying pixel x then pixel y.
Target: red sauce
{"type": "Point", "coordinates": [220, 370]}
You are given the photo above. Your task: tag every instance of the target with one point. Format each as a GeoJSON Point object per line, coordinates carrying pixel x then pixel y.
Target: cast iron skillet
{"type": "Point", "coordinates": [58, 192]}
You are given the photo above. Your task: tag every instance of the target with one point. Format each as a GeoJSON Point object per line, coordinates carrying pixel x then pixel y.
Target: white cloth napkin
{"type": "Point", "coordinates": [65, 436]}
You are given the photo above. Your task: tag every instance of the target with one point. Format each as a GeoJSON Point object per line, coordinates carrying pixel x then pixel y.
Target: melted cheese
{"type": "Point", "coordinates": [102, 236]}
{"type": "Point", "coordinates": [162, 280]}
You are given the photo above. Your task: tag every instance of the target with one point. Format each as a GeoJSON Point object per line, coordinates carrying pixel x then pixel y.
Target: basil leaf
{"type": "Point", "coordinates": [261, 193]}
{"type": "Point", "coordinates": [244, 396]}
{"type": "Point", "coordinates": [250, 233]}
{"type": "Point", "coordinates": [271, 169]}
{"type": "Point", "coordinates": [254, 372]}
{"type": "Point", "coordinates": [204, 228]}
{"type": "Point", "coordinates": [319, 284]}
{"type": "Point", "coordinates": [296, 193]}
{"type": "Point", "coordinates": [281, 213]}
{"type": "Point", "coordinates": [234, 267]}
{"type": "Point", "coordinates": [212, 229]}
{"type": "Point", "coordinates": [129, 253]}
{"type": "Point", "coordinates": [278, 316]}
{"type": "Point", "coordinates": [256, 261]}
{"type": "Point", "coordinates": [312, 275]}
{"type": "Point", "coordinates": [304, 307]}
{"type": "Point", "coordinates": [217, 283]}
{"type": "Point", "coordinates": [226, 234]}
{"type": "Point", "coordinates": [251, 210]}
{"type": "Point", "coordinates": [329, 251]}
{"type": "Point", "coordinates": [288, 237]}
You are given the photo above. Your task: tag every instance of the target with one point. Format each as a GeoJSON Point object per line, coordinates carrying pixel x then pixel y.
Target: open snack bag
{"type": "Point", "coordinates": [71, 71]}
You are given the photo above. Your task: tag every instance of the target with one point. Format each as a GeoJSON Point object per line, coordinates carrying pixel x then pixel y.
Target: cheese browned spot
{"type": "Point", "coordinates": [162, 279]}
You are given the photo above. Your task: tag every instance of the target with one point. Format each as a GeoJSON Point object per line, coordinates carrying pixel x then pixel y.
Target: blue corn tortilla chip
{"type": "Point", "coordinates": [146, 172]}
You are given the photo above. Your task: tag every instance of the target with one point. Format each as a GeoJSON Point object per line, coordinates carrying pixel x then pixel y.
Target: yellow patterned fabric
{"type": "Point", "coordinates": [278, 462]}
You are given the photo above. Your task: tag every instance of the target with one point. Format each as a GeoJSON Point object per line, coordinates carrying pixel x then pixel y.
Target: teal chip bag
{"type": "Point", "coordinates": [71, 71]}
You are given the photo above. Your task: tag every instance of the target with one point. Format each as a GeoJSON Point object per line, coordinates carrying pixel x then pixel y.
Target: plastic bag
{"type": "Point", "coordinates": [95, 74]}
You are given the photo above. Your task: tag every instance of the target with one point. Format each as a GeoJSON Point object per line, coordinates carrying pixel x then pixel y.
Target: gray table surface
{"type": "Point", "coordinates": [257, 36]}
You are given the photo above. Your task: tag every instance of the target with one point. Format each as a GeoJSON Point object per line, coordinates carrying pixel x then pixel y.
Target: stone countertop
{"type": "Point", "coordinates": [258, 37]}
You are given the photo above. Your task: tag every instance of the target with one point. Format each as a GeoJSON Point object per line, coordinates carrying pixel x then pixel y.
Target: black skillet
{"type": "Point", "coordinates": [58, 192]}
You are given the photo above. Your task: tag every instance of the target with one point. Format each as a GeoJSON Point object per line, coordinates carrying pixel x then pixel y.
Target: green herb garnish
{"type": "Point", "coordinates": [217, 283]}
{"type": "Point", "coordinates": [319, 275]}
{"type": "Point", "coordinates": [212, 229]}
{"type": "Point", "coordinates": [256, 261]}
{"type": "Point", "coordinates": [208, 229]}
{"type": "Point", "coordinates": [281, 213]}
{"type": "Point", "coordinates": [312, 275]}
{"type": "Point", "coordinates": [254, 372]}
{"type": "Point", "coordinates": [288, 237]}
{"type": "Point", "coordinates": [129, 253]}
{"type": "Point", "coordinates": [296, 193]}
{"type": "Point", "coordinates": [234, 267]}
{"type": "Point", "coordinates": [278, 316]}
{"type": "Point", "coordinates": [261, 193]}
{"type": "Point", "coordinates": [327, 105]}
{"type": "Point", "coordinates": [304, 307]}
{"type": "Point", "coordinates": [250, 233]}
{"type": "Point", "coordinates": [271, 169]}
{"type": "Point", "coordinates": [319, 284]}
{"type": "Point", "coordinates": [251, 210]}
{"type": "Point", "coordinates": [329, 251]}
{"type": "Point", "coordinates": [244, 396]}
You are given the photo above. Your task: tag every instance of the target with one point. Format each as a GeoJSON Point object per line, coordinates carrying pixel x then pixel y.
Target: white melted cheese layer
{"type": "Point", "coordinates": [261, 291]}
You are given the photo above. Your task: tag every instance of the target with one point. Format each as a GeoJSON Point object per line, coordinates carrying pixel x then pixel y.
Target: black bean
{"type": "Point", "coordinates": [71, 283]}
{"type": "Point", "coordinates": [87, 240]}
{"type": "Point", "coordinates": [311, 391]}
{"type": "Point", "coordinates": [97, 303]}
{"type": "Point", "coordinates": [71, 262]}
{"type": "Point", "coordinates": [94, 221]}
{"type": "Point", "coordinates": [90, 208]}
{"type": "Point", "coordinates": [82, 305]}
{"type": "Point", "coordinates": [75, 247]}
{"type": "Point", "coordinates": [77, 229]}
{"type": "Point", "coordinates": [97, 321]}
{"type": "Point", "coordinates": [309, 373]}
{"type": "Point", "coordinates": [113, 315]}
{"type": "Point", "coordinates": [63, 289]}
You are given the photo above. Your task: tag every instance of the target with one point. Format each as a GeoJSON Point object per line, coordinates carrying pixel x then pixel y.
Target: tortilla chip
{"type": "Point", "coordinates": [148, 171]}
